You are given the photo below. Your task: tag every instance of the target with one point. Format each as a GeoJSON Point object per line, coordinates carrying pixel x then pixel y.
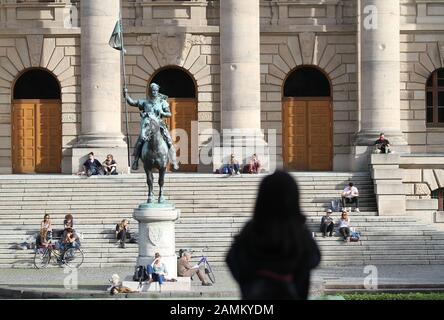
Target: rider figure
{"type": "Point", "coordinates": [156, 104]}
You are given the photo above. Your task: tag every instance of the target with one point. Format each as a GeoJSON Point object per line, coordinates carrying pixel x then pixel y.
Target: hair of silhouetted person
{"type": "Point", "coordinates": [278, 224]}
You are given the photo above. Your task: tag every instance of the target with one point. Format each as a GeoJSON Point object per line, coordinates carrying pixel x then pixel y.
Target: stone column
{"type": "Point", "coordinates": [379, 79]}
{"type": "Point", "coordinates": [240, 77]}
{"type": "Point", "coordinates": [380, 72]}
{"type": "Point", "coordinates": [101, 130]}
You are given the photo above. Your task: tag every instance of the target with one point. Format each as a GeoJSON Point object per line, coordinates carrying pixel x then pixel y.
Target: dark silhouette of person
{"type": "Point", "coordinates": [273, 255]}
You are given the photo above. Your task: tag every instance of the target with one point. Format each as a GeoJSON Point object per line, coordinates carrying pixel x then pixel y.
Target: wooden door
{"type": "Point", "coordinates": [307, 135]}
{"type": "Point", "coordinates": [184, 112]}
{"type": "Point", "coordinates": [23, 138]}
{"type": "Point", "coordinates": [37, 136]}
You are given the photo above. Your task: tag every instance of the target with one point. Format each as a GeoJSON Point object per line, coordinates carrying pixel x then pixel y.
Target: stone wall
{"type": "Point", "coordinates": [335, 53]}
{"type": "Point", "coordinates": [422, 52]}
{"type": "Point", "coordinates": [60, 56]}
{"type": "Point", "coordinates": [404, 183]}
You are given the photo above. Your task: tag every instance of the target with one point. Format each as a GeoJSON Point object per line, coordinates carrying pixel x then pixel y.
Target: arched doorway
{"type": "Point", "coordinates": [180, 88]}
{"type": "Point", "coordinates": [307, 121]}
{"type": "Point", "coordinates": [36, 123]}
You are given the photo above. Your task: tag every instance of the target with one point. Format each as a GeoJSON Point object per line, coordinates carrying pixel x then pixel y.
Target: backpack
{"type": "Point", "coordinates": [354, 237]}
{"type": "Point", "coordinates": [225, 170]}
{"type": "Point", "coordinates": [335, 205]}
{"type": "Point", "coordinates": [140, 274]}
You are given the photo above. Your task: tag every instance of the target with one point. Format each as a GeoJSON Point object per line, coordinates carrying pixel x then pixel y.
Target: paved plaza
{"type": "Point", "coordinates": [92, 282]}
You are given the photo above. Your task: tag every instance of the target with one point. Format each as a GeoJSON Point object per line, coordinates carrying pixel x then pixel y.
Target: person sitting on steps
{"type": "Point", "coordinates": [234, 166]}
{"type": "Point", "coordinates": [185, 269]}
{"type": "Point", "coordinates": [122, 232]}
{"type": "Point", "coordinates": [350, 195]}
{"type": "Point", "coordinates": [92, 166]}
{"type": "Point", "coordinates": [110, 165]}
{"type": "Point", "coordinates": [344, 225]}
{"type": "Point", "coordinates": [157, 271]}
{"type": "Point", "coordinates": [327, 224]}
{"type": "Point", "coordinates": [156, 104]}
{"type": "Point", "coordinates": [382, 144]}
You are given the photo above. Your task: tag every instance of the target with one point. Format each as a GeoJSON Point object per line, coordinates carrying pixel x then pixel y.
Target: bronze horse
{"type": "Point", "coordinates": [154, 156]}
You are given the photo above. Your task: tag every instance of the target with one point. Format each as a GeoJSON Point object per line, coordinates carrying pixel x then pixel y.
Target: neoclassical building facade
{"type": "Point", "coordinates": [321, 78]}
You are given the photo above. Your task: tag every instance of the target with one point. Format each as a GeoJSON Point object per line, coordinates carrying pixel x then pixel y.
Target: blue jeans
{"type": "Point", "coordinates": [155, 276]}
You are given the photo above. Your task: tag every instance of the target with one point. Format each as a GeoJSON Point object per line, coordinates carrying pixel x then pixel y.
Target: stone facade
{"type": "Point", "coordinates": [186, 34]}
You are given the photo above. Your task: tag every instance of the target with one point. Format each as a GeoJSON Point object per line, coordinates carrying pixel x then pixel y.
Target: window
{"type": "Point", "coordinates": [435, 99]}
{"type": "Point", "coordinates": [439, 194]}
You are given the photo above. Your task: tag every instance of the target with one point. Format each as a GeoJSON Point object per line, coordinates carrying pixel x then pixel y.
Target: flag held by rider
{"type": "Point", "coordinates": [116, 38]}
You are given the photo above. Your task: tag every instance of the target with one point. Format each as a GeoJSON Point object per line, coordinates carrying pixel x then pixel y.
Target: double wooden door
{"type": "Point", "coordinates": [36, 136]}
{"type": "Point", "coordinates": [183, 113]}
{"type": "Point", "coordinates": [307, 135]}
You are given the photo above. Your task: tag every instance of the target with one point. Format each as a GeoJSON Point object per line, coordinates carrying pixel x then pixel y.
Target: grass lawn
{"type": "Point", "coordinates": [395, 296]}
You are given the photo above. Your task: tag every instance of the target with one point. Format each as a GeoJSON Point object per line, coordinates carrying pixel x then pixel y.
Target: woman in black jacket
{"type": "Point", "coordinates": [273, 255]}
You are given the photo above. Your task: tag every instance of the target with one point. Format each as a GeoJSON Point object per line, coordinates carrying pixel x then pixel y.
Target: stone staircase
{"type": "Point", "coordinates": [213, 210]}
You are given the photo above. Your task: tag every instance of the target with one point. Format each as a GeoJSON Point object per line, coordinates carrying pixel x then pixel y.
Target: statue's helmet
{"type": "Point", "coordinates": [154, 86]}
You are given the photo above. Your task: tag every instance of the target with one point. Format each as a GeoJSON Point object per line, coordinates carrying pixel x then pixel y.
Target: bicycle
{"type": "Point", "coordinates": [203, 260]}
{"type": "Point", "coordinates": [72, 257]}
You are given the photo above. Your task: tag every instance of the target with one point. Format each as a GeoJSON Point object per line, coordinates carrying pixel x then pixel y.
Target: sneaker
{"type": "Point", "coordinates": [330, 235]}
{"type": "Point", "coordinates": [207, 284]}
{"type": "Point", "coordinates": [323, 235]}
{"type": "Point", "coordinates": [357, 210]}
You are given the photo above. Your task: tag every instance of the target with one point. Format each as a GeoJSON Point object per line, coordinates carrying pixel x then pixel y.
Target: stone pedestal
{"type": "Point", "coordinates": [156, 234]}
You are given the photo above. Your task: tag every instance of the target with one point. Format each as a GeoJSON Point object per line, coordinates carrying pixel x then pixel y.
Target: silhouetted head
{"type": "Point", "coordinates": [278, 199]}
{"type": "Point", "coordinates": [350, 184]}
{"type": "Point", "coordinates": [277, 230]}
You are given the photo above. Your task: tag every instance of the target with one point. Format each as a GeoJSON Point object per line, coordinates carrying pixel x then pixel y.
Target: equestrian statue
{"type": "Point", "coordinates": [154, 146]}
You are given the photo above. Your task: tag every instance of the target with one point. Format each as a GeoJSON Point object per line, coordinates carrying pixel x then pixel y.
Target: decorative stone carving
{"type": "Point", "coordinates": [171, 47]}
{"type": "Point", "coordinates": [155, 234]}
{"type": "Point", "coordinates": [441, 52]}
{"type": "Point", "coordinates": [35, 44]}
{"type": "Point", "coordinates": [422, 189]}
{"type": "Point", "coordinates": [307, 40]}
{"type": "Point", "coordinates": [439, 175]}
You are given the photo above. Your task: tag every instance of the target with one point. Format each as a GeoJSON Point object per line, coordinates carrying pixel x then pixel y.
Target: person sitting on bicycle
{"type": "Point", "coordinates": [42, 241]}
{"type": "Point", "coordinates": [69, 241]}
{"type": "Point", "coordinates": [185, 269]}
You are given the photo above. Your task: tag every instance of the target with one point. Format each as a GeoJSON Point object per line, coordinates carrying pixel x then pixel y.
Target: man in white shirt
{"type": "Point", "coordinates": [350, 195]}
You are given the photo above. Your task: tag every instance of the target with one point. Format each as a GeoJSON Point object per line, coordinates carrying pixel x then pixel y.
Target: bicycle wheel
{"type": "Point", "coordinates": [42, 257]}
{"type": "Point", "coordinates": [73, 257]}
{"type": "Point", "coordinates": [209, 272]}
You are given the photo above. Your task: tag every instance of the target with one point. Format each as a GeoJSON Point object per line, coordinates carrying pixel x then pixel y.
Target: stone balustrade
{"type": "Point", "coordinates": [39, 14]}
{"type": "Point", "coordinates": [404, 184]}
